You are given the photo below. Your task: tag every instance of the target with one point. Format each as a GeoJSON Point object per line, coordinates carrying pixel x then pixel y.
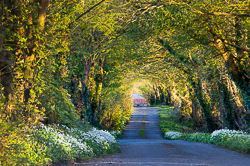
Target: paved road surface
{"type": "Point", "coordinates": [153, 149]}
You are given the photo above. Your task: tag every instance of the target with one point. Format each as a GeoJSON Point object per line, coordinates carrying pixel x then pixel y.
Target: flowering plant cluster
{"type": "Point", "coordinates": [116, 134]}
{"type": "Point", "coordinates": [219, 135]}
{"type": "Point", "coordinates": [100, 141]}
{"type": "Point", "coordinates": [172, 135]}
{"type": "Point", "coordinates": [65, 143]}
{"type": "Point", "coordinates": [232, 139]}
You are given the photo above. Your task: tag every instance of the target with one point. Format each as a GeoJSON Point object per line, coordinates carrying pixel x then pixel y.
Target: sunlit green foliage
{"type": "Point", "coordinates": [43, 51]}
{"type": "Point", "coordinates": [74, 62]}
{"type": "Point", "coordinates": [199, 48]}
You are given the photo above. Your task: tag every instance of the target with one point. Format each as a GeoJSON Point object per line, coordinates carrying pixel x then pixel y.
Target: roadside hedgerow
{"type": "Point", "coordinates": [45, 144]}
{"type": "Point", "coordinates": [219, 136]}
{"type": "Point", "coordinates": [61, 145]}
{"type": "Point", "coordinates": [116, 134]}
{"type": "Point", "coordinates": [174, 130]}
{"type": "Point", "coordinates": [232, 139]}
{"type": "Point", "coordinates": [25, 151]}
{"type": "Point", "coordinates": [198, 137]}
{"type": "Point", "coordinates": [71, 143]}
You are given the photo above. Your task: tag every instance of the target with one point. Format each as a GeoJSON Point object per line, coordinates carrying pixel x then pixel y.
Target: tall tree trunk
{"type": "Point", "coordinates": [230, 119]}
{"type": "Point", "coordinates": [195, 108]}
{"type": "Point", "coordinates": [96, 101]}
{"type": "Point", "coordinates": [5, 61]}
{"type": "Point", "coordinates": [237, 71]}
{"type": "Point", "coordinates": [87, 63]}
{"type": "Point", "coordinates": [168, 97]}
{"type": "Point", "coordinates": [203, 103]}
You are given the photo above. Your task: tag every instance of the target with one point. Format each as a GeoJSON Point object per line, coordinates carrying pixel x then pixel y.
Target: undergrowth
{"type": "Point", "coordinates": [170, 121]}
{"type": "Point", "coordinates": [59, 143]}
{"type": "Point", "coordinates": [173, 129]}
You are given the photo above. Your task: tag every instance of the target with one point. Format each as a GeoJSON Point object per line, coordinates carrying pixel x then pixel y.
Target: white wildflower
{"type": "Point", "coordinates": [173, 135]}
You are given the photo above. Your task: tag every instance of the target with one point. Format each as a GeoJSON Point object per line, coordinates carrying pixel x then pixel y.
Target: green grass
{"type": "Point", "coordinates": [161, 106]}
{"type": "Point", "coordinates": [198, 137]}
{"type": "Point", "coordinates": [174, 129]}
{"type": "Point", "coordinates": [170, 122]}
{"type": "Point", "coordinates": [142, 133]}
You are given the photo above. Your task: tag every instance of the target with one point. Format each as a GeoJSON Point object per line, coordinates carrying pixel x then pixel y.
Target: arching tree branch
{"type": "Point", "coordinates": [73, 22]}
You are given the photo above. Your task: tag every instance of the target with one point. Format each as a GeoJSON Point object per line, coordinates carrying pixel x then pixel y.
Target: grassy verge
{"type": "Point", "coordinates": [169, 121]}
{"type": "Point", "coordinates": [58, 143]}
{"type": "Point", "coordinates": [174, 130]}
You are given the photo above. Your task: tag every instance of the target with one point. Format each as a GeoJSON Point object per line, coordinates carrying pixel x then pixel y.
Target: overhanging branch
{"type": "Point", "coordinates": [221, 14]}
{"type": "Point", "coordinates": [204, 12]}
{"type": "Point", "coordinates": [227, 42]}
{"type": "Point", "coordinates": [73, 22]}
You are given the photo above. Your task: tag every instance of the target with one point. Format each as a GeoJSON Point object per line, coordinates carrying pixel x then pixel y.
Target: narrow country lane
{"type": "Point", "coordinates": [153, 149]}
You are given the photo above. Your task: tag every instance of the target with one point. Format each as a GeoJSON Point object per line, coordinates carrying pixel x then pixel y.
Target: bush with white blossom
{"type": "Point", "coordinates": [65, 143]}
{"type": "Point", "coordinates": [100, 141]}
{"type": "Point", "coordinates": [219, 135]}
{"type": "Point", "coordinates": [116, 134]}
{"type": "Point", "coordinates": [236, 140]}
{"type": "Point", "coordinates": [232, 139]}
{"type": "Point", "coordinates": [172, 135]}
